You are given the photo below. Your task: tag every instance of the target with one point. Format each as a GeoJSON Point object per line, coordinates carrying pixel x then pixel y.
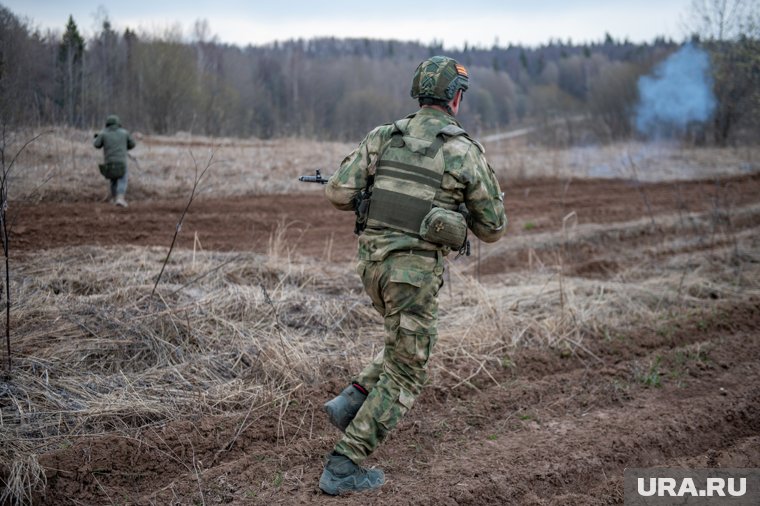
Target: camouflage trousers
{"type": "Point", "coordinates": [404, 289]}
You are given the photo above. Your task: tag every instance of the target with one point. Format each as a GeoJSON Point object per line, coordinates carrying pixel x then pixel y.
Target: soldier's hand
{"type": "Point", "coordinates": [462, 209]}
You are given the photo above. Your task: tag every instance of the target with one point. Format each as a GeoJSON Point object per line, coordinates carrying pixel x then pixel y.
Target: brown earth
{"type": "Point", "coordinates": [312, 226]}
{"type": "Point", "coordinates": [549, 428]}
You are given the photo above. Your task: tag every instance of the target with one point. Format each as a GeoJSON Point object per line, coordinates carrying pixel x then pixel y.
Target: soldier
{"type": "Point", "coordinates": [422, 171]}
{"type": "Point", "coordinates": [115, 142]}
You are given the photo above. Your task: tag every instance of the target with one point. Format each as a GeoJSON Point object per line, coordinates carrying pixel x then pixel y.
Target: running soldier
{"type": "Point", "coordinates": [115, 142]}
{"type": "Point", "coordinates": [417, 185]}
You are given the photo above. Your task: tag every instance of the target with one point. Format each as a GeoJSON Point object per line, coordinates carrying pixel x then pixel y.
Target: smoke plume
{"type": "Point", "coordinates": [677, 94]}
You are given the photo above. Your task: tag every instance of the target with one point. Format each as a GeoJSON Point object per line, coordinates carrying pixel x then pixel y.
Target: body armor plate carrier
{"type": "Point", "coordinates": [408, 174]}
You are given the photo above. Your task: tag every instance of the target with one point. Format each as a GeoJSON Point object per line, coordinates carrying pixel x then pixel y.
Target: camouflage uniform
{"type": "Point", "coordinates": [402, 273]}
{"type": "Point", "coordinates": [115, 142]}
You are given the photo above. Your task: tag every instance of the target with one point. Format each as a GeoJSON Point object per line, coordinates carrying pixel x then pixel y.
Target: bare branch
{"type": "Point", "coordinates": [4, 230]}
{"type": "Point", "coordinates": [177, 229]}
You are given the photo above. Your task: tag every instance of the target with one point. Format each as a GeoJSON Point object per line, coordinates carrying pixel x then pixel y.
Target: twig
{"type": "Point", "coordinates": [579, 345]}
{"type": "Point", "coordinates": [196, 466]}
{"type": "Point", "coordinates": [182, 216]}
{"type": "Point", "coordinates": [641, 191]}
{"type": "Point", "coordinates": [461, 381]}
{"type": "Point", "coordinates": [204, 274]}
{"type": "Point", "coordinates": [134, 160]}
{"type": "Point", "coordinates": [277, 326]}
{"type": "Point", "coordinates": [4, 232]}
{"type": "Point", "coordinates": [561, 259]}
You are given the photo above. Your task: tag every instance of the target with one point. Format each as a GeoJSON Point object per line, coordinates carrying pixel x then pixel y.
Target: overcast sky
{"type": "Point", "coordinates": [477, 22]}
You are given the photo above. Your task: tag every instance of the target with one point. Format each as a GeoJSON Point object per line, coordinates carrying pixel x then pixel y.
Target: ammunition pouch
{"type": "Point", "coordinates": [441, 226]}
{"type": "Point", "coordinates": [113, 170]}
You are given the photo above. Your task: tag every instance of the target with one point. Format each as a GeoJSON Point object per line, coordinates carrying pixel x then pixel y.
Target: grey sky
{"type": "Point", "coordinates": [477, 22]}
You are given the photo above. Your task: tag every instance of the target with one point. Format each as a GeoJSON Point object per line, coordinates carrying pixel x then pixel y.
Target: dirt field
{"type": "Point", "coordinates": [538, 425]}
{"type": "Point", "coordinates": [307, 219]}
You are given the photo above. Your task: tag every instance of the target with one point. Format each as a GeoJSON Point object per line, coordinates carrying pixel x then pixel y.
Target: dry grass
{"type": "Point", "coordinates": [94, 353]}
{"type": "Point", "coordinates": [65, 161]}
{"type": "Point", "coordinates": [624, 160]}
{"type": "Point", "coordinates": [233, 331]}
{"type": "Point", "coordinates": [62, 165]}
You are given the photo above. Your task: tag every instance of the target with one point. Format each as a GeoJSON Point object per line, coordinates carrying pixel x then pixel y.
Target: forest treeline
{"type": "Point", "coordinates": [331, 88]}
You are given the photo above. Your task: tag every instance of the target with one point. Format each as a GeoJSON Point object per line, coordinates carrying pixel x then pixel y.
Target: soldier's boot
{"type": "Point", "coordinates": [342, 476]}
{"type": "Point", "coordinates": [343, 408]}
{"type": "Point", "coordinates": [120, 201]}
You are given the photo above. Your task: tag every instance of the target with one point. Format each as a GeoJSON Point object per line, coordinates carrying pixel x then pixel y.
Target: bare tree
{"type": "Point", "coordinates": [167, 71]}
{"type": "Point", "coordinates": [722, 20]}
{"type": "Point", "coordinates": [730, 31]}
{"type": "Point", "coordinates": [613, 96]}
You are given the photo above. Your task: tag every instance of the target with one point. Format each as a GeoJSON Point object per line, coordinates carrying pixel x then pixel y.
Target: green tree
{"type": "Point", "coordinates": [70, 60]}
{"type": "Point", "coordinates": [130, 82]}
{"type": "Point", "coordinates": [105, 74]}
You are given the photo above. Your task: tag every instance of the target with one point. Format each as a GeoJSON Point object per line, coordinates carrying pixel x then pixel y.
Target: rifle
{"type": "Point", "coordinates": [314, 179]}
{"type": "Point", "coordinates": [361, 202]}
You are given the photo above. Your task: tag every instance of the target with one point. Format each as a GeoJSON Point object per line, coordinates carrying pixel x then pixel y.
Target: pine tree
{"type": "Point", "coordinates": [70, 60]}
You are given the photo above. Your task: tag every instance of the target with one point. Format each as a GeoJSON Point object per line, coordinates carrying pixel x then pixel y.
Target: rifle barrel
{"type": "Point", "coordinates": [314, 179]}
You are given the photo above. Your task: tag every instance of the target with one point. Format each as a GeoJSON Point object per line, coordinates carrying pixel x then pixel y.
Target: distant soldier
{"type": "Point", "coordinates": [429, 183]}
{"type": "Point", "coordinates": [115, 142]}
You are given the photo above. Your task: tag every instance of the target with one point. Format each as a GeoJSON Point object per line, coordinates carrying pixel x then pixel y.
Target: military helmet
{"type": "Point", "coordinates": [439, 78]}
{"type": "Point", "coordinates": [113, 120]}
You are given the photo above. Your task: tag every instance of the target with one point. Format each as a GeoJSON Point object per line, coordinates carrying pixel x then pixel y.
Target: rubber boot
{"type": "Point", "coordinates": [342, 476]}
{"type": "Point", "coordinates": [342, 409]}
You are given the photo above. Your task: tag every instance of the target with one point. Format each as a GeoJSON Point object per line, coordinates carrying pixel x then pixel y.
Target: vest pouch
{"type": "Point", "coordinates": [441, 226]}
{"type": "Point", "coordinates": [113, 170]}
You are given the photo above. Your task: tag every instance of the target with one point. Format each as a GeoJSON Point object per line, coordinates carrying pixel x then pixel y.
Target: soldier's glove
{"type": "Point", "coordinates": [462, 209]}
{"type": "Point", "coordinates": [465, 249]}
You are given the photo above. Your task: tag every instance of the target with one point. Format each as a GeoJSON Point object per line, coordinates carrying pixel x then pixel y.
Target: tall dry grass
{"type": "Point", "coordinates": [62, 165]}
{"type": "Point", "coordinates": [644, 161]}
{"type": "Point", "coordinates": [234, 331]}
{"type": "Point", "coordinates": [95, 353]}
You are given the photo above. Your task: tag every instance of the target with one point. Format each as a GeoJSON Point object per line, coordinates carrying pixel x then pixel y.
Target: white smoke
{"type": "Point", "coordinates": [678, 93]}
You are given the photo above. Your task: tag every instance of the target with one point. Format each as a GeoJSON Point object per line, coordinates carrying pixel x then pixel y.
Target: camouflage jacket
{"type": "Point", "coordinates": [467, 179]}
{"type": "Point", "coordinates": [115, 142]}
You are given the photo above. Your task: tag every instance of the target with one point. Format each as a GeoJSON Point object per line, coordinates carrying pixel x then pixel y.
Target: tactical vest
{"type": "Point", "coordinates": [408, 174]}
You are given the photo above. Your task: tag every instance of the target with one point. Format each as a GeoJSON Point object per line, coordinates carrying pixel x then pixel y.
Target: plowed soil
{"type": "Point", "coordinates": [311, 225]}
{"type": "Point", "coordinates": [552, 429]}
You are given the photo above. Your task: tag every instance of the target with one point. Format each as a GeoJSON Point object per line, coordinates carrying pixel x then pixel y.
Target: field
{"type": "Point", "coordinates": [616, 325]}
